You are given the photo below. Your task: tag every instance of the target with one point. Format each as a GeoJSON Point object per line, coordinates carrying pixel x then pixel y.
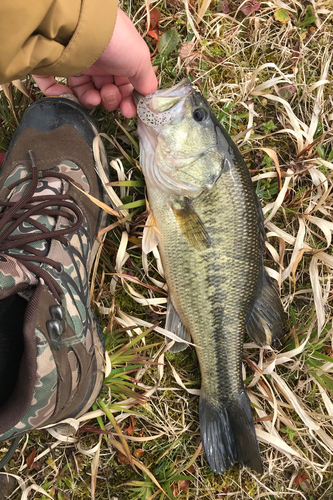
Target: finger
{"type": "Point", "coordinates": [111, 97]}
{"type": "Point", "coordinates": [85, 90]}
{"type": "Point", "coordinates": [144, 79]}
{"type": "Point", "coordinates": [50, 87]}
{"type": "Point", "coordinates": [77, 80]}
{"type": "Point", "coordinates": [100, 81]}
{"type": "Point", "coordinates": [120, 81]}
{"type": "Point", "coordinates": [126, 89]}
{"type": "Point", "coordinates": [127, 107]}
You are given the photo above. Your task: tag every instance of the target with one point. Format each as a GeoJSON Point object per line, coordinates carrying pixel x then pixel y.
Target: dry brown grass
{"type": "Point", "coordinates": [271, 85]}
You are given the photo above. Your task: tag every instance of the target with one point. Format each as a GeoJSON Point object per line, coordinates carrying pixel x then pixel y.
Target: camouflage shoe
{"type": "Point", "coordinates": [51, 353]}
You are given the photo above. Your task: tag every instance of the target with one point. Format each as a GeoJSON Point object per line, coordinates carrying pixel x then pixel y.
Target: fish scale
{"type": "Point", "coordinates": [220, 305]}
{"type": "Point", "coordinates": [211, 237]}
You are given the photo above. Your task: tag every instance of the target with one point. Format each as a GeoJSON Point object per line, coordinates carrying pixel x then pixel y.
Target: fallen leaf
{"type": "Point", "coordinates": [185, 50]}
{"type": "Point", "coordinates": [224, 7]}
{"type": "Point", "coordinates": [154, 29]}
{"type": "Point", "coordinates": [311, 31]}
{"type": "Point", "coordinates": [130, 429]}
{"type": "Point", "coordinates": [301, 477]}
{"type": "Point", "coordinates": [250, 7]}
{"type": "Point", "coordinates": [139, 452]}
{"type": "Point", "coordinates": [188, 56]}
{"type": "Point", "coordinates": [281, 15]}
{"type": "Point", "coordinates": [30, 459]}
{"type": "Point", "coordinates": [155, 16]}
{"type": "Point", "coordinates": [287, 91]}
{"type": "Point", "coordinates": [154, 34]}
{"type": "Point", "coordinates": [183, 484]}
{"type": "Point", "coordinates": [122, 459]}
{"type": "Point", "coordinates": [191, 468]}
{"type": "Point", "coordinates": [174, 489]}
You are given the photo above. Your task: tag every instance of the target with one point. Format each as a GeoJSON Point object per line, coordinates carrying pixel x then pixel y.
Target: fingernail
{"type": "Point", "coordinates": [110, 98]}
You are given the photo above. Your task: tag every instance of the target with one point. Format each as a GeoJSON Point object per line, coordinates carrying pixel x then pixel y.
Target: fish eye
{"type": "Point", "coordinates": [200, 114]}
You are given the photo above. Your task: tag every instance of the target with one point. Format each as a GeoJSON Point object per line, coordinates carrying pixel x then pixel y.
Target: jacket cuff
{"type": "Point", "coordinates": [90, 38]}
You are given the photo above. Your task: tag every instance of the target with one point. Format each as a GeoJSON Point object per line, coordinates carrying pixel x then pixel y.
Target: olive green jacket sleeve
{"type": "Point", "coordinates": [53, 37]}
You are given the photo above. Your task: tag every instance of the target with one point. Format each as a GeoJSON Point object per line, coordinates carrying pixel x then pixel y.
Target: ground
{"type": "Point", "coordinates": [266, 70]}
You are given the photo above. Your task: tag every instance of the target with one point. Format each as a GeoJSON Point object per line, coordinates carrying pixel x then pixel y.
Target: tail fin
{"type": "Point", "coordinates": [228, 434]}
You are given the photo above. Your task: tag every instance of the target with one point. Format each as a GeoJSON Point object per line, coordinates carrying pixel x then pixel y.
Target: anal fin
{"type": "Point", "coordinates": [266, 323]}
{"type": "Point", "coordinates": [174, 324]}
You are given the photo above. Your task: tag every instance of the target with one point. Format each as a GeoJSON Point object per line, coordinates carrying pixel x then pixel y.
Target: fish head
{"type": "Point", "coordinates": [180, 150]}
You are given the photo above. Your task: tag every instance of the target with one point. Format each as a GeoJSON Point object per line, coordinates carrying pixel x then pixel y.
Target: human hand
{"type": "Point", "coordinates": [124, 65]}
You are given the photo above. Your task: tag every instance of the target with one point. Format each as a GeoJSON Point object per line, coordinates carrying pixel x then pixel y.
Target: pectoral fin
{"type": "Point", "coordinates": [190, 224]}
{"type": "Point", "coordinates": [174, 324]}
{"type": "Point", "coordinates": [151, 235]}
{"type": "Point", "coordinates": [266, 323]}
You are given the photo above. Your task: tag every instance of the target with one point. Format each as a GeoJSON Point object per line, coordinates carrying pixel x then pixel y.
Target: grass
{"type": "Point", "coordinates": [270, 84]}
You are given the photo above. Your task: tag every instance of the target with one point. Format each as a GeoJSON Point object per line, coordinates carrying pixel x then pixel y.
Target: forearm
{"type": "Point", "coordinates": [53, 37]}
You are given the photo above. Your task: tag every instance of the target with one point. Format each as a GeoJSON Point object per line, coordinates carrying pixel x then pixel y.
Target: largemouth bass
{"type": "Point", "coordinates": [210, 231]}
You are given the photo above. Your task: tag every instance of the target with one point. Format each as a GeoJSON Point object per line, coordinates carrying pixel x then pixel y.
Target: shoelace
{"type": "Point", "coordinates": [15, 213]}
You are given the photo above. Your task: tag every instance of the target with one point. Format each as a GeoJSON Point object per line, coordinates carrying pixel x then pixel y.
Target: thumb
{"type": "Point", "coordinates": [144, 80]}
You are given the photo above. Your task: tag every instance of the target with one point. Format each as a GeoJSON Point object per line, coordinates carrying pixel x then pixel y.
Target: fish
{"type": "Point", "coordinates": [209, 226]}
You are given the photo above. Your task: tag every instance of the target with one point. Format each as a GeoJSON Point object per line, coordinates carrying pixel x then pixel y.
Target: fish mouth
{"type": "Point", "coordinates": [180, 87]}
{"type": "Point", "coordinates": [137, 97]}
{"type": "Point", "coordinates": [164, 101]}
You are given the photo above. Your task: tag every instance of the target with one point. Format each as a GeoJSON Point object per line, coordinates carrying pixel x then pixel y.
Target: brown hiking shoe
{"type": "Point", "coordinates": [51, 352]}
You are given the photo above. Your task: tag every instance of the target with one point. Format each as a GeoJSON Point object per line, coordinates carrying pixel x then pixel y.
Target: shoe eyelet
{"type": "Point", "coordinates": [55, 329]}
{"type": "Point", "coordinates": [61, 270]}
{"type": "Point", "coordinates": [56, 312]}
